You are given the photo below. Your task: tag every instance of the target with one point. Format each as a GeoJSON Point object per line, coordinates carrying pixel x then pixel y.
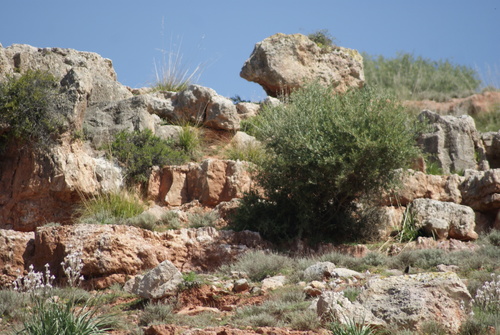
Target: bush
{"type": "Point", "coordinates": [258, 265]}
{"type": "Point", "coordinates": [322, 38]}
{"type": "Point", "coordinates": [25, 107]}
{"type": "Point", "coordinates": [417, 78]}
{"type": "Point", "coordinates": [324, 151]}
{"type": "Point", "coordinates": [141, 150]}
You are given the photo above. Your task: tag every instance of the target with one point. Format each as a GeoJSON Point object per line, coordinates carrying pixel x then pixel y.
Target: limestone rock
{"type": "Point", "coordinates": [319, 271]}
{"type": "Point", "coordinates": [336, 306]}
{"type": "Point", "coordinates": [281, 63]}
{"type": "Point", "coordinates": [112, 253]}
{"type": "Point", "coordinates": [247, 109]}
{"type": "Point", "coordinates": [273, 283]}
{"type": "Point", "coordinates": [211, 182]}
{"type": "Point", "coordinates": [444, 219]}
{"type": "Point", "coordinates": [241, 285]}
{"type": "Point", "coordinates": [491, 141]}
{"type": "Point", "coordinates": [37, 188]}
{"type": "Point", "coordinates": [409, 301]}
{"type": "Point", "coordinates": [14, 247]}
{"type": "Point", "coordinates": [417, 184]}
{"type": "Point", "coordinates": [454, 142]}
{"type": "Point", "coordinates": [157, 283]}
{"type": "Point", "coordinates": [481, 190]}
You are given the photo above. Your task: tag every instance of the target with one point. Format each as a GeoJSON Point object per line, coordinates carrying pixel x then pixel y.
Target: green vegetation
{"type": "Point", "coordinates": [416, 78]}
{"type": "Point", "coordinates": [324, 151]}
{"type": "Point", "coordinates": [190, 141]}
{"type": "Point", "coordinates": [203, 219]}
{"type": "Point", "coordinates": [140, 150]}
{"type": "Point", "coordinates": [25, 107]}
{"type": "Point", "coordinates": [489, 121]}
{"type": "Point", "coordinates": [323, 39]}
{"type": "Point", "coordinates": [250, 152]}
{"type": "Point", "coordinates": [109, 208]}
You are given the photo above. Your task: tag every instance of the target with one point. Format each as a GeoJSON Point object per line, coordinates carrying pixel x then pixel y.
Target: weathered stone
{"type": "Point", "coordinates": [481, 190]}
{"type": "Point", "coordinates": [345, 273]}
{"type": "Point", "coordinates": [491, 142]}
{"type": "Point", "coordinates": [272, 283]}
{"type": "Point", "coordinates": [319, 271]}
{"type": "Point", "coordinates": [334, 305]}
{"type": "Point", "coordinates": [444, 219]}
{"type": "Point", "coordinates": [281, 63]}
{"type": "Point", "coordinates": [247, 109]}
{"type": "Point", "coordinates": [157, 283]}
{"type": "Point", "coordinates": [409, 301]}
{"type": "Point", "coordinates": [15, 248]}
{"type": "Point", "coordinates": [202, 105]}
{"type": "Point", "coordinates": [454, 143]}
{"type": "Point", "coordinates": [40, 187]}
{"type": "Point", "coordinates": [416, 184]}
{"type": "Point", "coordinates": [241, 285]}
{"type": "Point", "coordinates": [112, 253]}
{"type": "Point", "coordinates": [211, 182]}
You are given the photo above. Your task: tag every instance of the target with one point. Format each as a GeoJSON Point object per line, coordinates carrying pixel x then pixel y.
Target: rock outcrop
{"type": "Point", "coordinates": [281, 63]}
{"type": "Point", "coordinates": [14, 248]}
{"type": "Point", "coordinates": [40, 187]}
{"type": "Point", "coordinates": [409, 301]}
{"type": "Point", "coordinates": [112, 253]}
{"type": "Point", "coordinates": [211, 182]}
{"type": "Point", "coordinates": [454, 143]}
{"type": "Point", "coordinates": [444, 219]}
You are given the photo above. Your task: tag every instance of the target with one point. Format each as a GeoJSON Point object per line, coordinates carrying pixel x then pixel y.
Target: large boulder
{"type": "Point", "coordinates": [491, 141]}
{"type": "Point", "coordinates": [409, 301]}
{"type": "Point", "coordinates": [210, 182]}
{"type": "Point", "coordinates": [112, 253]}
{"type": "Point", "coordinates": [281, 63]}
{"type": "Point", "coordinates": [453, 143]}
{"type": "Point", "coordinates": [444, 219]}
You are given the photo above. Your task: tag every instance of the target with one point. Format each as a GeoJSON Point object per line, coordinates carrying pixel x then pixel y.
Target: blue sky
{"type": "Point", "coordinates": [221, 35]}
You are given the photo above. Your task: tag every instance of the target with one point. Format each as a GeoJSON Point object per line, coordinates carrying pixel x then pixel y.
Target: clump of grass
{"type": "Point", "coordinates": [170, 220]}
{"type": "Point", "coordinates": [49, 317]}
{"type": "Point", "coordinates": [158, 312]}
{"type": "Point", "coordinates": [259, 265]}
{"type": "Point", "coordinates": [144, 221]}
{"type": "Point", "coordinates": [352, 328]}
{"type": "Point", "coordinates": [190, 141]}
{"type": "Point", "coordinates": [109, 208]}
{"type": "Point", "coordinates": [172, 74]}
{"type": "Point", "coordinates": [417, 78]}
{"type": "Point", "coordinates": [286, 307]}
{"type": "Point", "coordinates": [250, 152]}
{"type": "Point", "coordinates": [206, 219]}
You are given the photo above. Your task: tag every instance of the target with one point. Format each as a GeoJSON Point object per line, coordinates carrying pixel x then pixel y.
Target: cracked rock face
{"type": "Point", "coordinates": [281, 63]}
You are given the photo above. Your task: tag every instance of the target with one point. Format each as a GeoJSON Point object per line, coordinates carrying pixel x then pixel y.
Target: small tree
{"type": "Point", "coordinates": [325, 151]}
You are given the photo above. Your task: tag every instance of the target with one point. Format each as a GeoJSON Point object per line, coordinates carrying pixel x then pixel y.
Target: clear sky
{"type": "Point", "coordinates": [220, 35]}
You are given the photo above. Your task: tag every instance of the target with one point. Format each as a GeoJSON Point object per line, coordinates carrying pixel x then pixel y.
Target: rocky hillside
{"type": "Point", "coordinates": [197, 268]}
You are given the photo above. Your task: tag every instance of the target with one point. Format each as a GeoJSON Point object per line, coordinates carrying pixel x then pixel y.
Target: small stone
{"type": "Point", "coordinates": [241, 285]}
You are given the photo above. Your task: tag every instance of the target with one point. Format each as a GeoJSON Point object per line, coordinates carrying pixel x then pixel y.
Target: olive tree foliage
{"type": "Point", "coordinates": [27, 108]}
{"type": "Point", "coordinates": [323, 152]}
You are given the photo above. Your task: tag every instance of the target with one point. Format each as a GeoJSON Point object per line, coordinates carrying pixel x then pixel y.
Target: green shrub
{"type": "Point", "coordinates": [322, 38]}
{"type": "Point", "coordinates": [488, 121]}
{"type": "Point", "coordinates": [199, 220]}
{"type": "Point", "coordinates": [141, 150]}
{"type": "Point", "coordinates": [157, 313]}
{"type": "Point", "coordinates": [109, 208]}
{"type": "Point", "coordinates": [416, 78]}
{"type": "Point", "coordinates": [251, 152]}
{"type": "Point", "coordinates": [323, 152]}
{"type": "Point", "coordinates": [258, 265]}
{"type": "Point", "coordinates": [189, 140]}
{"type": "Point", "coordinates": [25, 107]}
